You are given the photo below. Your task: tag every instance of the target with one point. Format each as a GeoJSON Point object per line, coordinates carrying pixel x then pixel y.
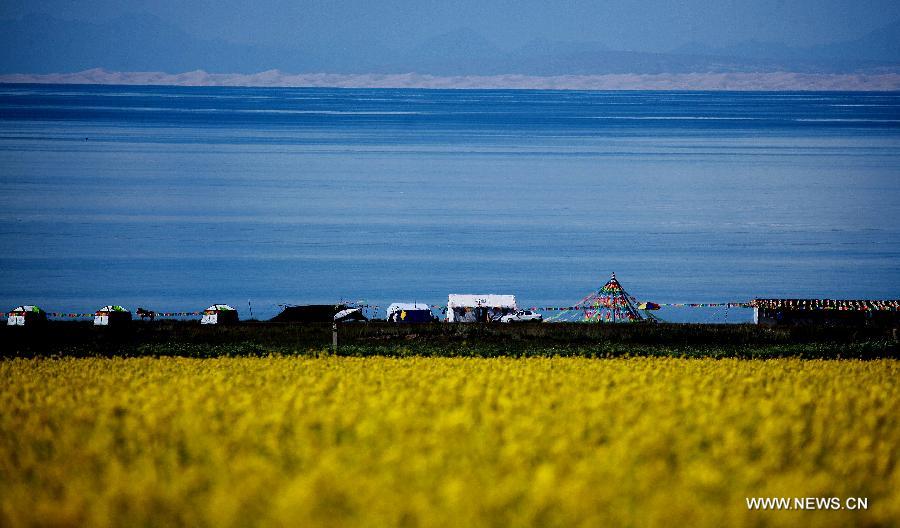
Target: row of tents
{"type": "Point", "coordinates": [223, 314]}
{"type": "Point", "coordinates": [610, 304]}
{"type": "Point", "coordinates": [461, 308]}
{"type": "Point", "coordinates": [112, 314]}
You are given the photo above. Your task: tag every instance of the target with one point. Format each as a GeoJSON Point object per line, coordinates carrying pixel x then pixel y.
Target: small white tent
{"type": "Point", "coordinates": [471, 308]}
{"type": "Point", "coordinates": [111, 314]}
{"type": "Point", "coordinates": [219, 314]}
{"type": "Point", "coordinates": [349, 315]}
{"type": "Point", "coordinates": [26, 315]}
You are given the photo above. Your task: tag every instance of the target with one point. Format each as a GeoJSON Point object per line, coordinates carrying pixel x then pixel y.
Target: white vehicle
{"type": "Point", "coordinates": [522, 316]}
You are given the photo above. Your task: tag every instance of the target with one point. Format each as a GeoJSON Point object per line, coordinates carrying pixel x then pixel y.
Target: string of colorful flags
{"type": "Point", "coordinates": [641, 305]}
{"type": "Point", "coordinates": [80, 315]}
{"type": "Point", "coordinates": [772, 304]}
{"type": "Point", "coordinates": [441, 307]}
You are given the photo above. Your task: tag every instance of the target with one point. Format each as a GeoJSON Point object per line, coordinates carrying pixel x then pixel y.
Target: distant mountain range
{"type": "Point", "coordinates": [42, 44]}
{"type": "Point", "coordinates": [735, 81]}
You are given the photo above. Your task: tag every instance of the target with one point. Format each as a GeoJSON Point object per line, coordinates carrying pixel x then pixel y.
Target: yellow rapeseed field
{"type": "Point", "coordinates": [285, 441]}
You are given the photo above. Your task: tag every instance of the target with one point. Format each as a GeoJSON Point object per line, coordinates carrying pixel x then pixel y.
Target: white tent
{"type": "Point", "coordinates": [349, 315]}
{"type": "Point", "coordinates": [111, 314]}
{"type": "Point", "coordinates": [25, 314]}
{"type": "Point", "coordinates": [219, 314]}
{"type": "Point", "coordinates": [470, 308]}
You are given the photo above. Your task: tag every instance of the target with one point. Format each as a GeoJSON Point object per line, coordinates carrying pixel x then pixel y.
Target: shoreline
{"type": "Point", "coordinates": [701, 81]}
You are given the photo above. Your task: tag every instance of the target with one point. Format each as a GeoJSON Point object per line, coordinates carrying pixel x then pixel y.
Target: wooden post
{"type": "Point", "coordinates": [334, 343]}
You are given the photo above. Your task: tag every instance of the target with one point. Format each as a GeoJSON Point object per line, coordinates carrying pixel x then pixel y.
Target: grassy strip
{"type": "Point", "coordinates": [186, 339]}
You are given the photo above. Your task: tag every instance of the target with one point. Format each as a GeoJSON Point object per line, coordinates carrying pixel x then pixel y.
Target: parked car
{"type": "Point", "coordinates": [522, 316]}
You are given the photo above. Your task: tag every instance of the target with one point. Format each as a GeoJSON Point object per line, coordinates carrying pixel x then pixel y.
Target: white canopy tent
{"type": "Point", "coordinates": [470, 308]}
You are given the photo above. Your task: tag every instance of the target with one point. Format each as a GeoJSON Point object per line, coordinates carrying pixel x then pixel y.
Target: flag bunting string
{"type": "Point", "coordinates": [772, 304]}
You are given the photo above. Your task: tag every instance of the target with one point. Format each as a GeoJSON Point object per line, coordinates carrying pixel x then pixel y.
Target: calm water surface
{"type": "Point", "coordinates": [176, 198]}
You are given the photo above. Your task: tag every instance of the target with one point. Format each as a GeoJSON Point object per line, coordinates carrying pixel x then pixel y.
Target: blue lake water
{"type": "Point", "coordinates": [177, 198]}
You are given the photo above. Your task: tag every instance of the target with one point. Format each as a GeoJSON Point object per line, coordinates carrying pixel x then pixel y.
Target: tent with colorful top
{"type": "Point", "coordinates": [610, 304]}
{"type": "Point", "coordinates": [26, 315]}
{"type": "Point", "coordinates": [111, 314]}
{"type": "Point", "coordinates": [219, 314]}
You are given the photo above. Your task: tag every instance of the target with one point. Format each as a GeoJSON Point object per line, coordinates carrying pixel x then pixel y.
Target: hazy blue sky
{"type": "Point", "coordinates": [653, 25]}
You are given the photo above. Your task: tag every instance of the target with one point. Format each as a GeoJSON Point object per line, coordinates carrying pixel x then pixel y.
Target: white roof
{"type": "Point", "coordinates": [409, 307]}
{"type": "Point", "coordinates": [112, 308]}
{"type": "Point", "coordinates": [220, 308]}
{"type": "Point", "coordinates": [345, 313]}
{"type": "Point", "coordinates": [490, 300]}
{"type": "Point", "coordinates": [26, 308]}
